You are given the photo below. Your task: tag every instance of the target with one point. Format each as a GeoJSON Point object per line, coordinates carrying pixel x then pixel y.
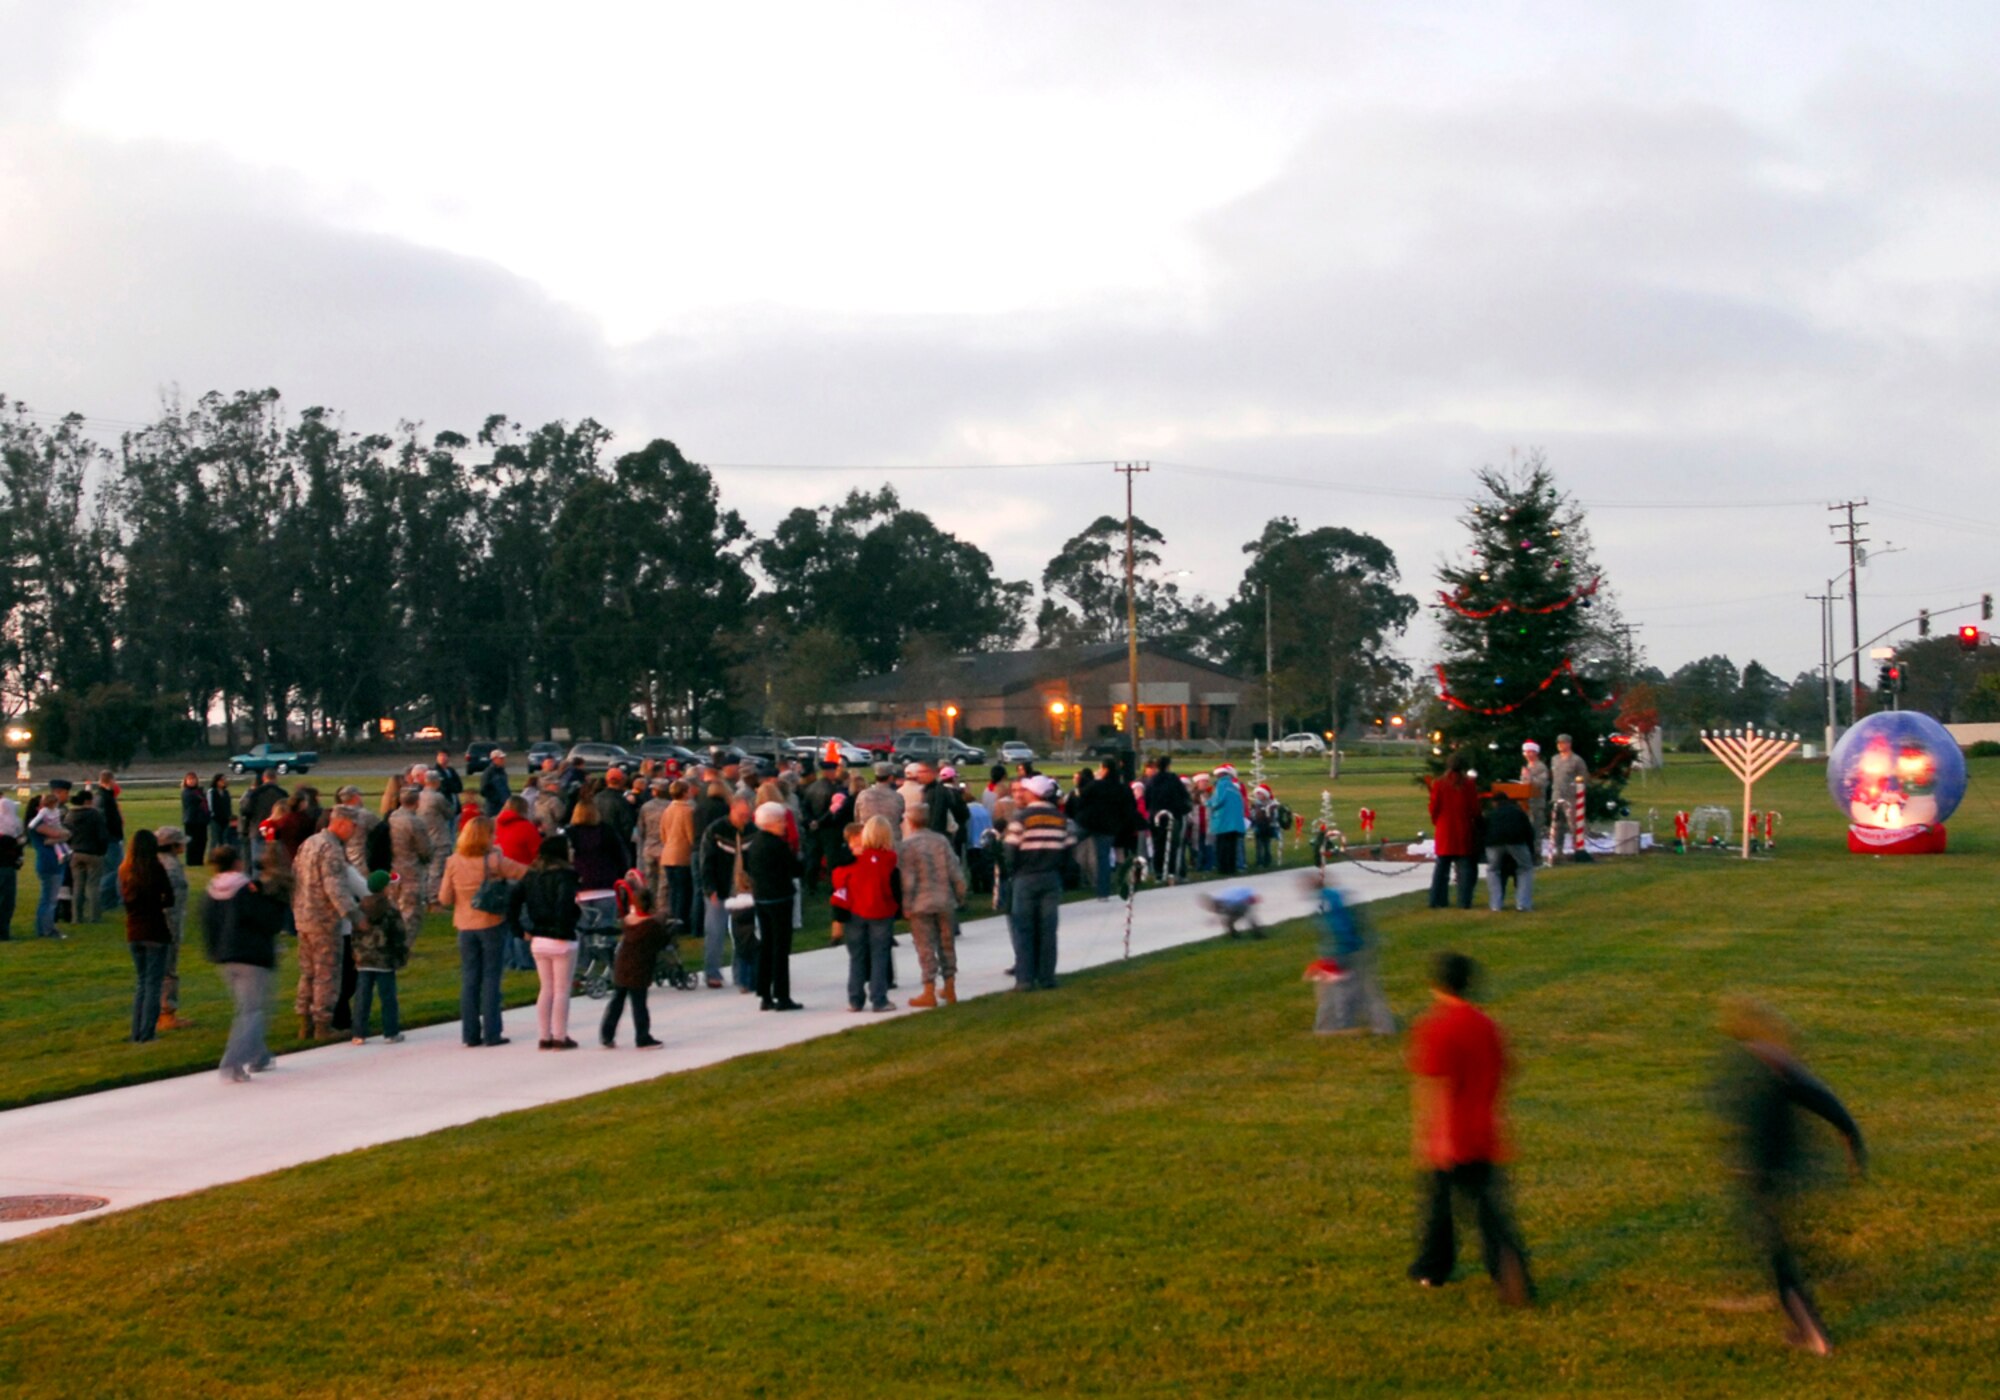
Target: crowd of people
{"type": "Point", "coordinates": [726, 851]}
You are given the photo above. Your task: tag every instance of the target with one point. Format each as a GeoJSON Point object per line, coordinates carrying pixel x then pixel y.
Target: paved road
{"type": "Point", "coordinates": [151, 1141]}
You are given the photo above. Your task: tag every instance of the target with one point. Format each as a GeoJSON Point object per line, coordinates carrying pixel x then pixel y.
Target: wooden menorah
{"type": "Point", "coordinates": [1749, 754]}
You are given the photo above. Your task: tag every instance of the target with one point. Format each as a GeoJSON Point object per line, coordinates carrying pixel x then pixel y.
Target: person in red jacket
{"type": "Point", "coordinates": [1460, 1063]}
{"type": "Point", "coordinates": [519, 839]}
{"type": "Point", "coordinates": [1455, 817]}
{"type": "Point", "coordinates": [867, 900]}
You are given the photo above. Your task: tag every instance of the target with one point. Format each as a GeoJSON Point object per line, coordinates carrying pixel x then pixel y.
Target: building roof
{"type": "Point", "coordinates": [1005, 672]}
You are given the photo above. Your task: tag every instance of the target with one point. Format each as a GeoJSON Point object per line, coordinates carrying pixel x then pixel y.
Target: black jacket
{"type": "Point", "coordinates": [717, 859]}
{"type": "Point", "coordinates": [945, 806]}
{"type": "Point", "coordinates": [1508, 825]}
{"type": "Point", "coordinates": [243, 928]}
{"type": "Point", "coordinates": [106, 802]}
{"type": "Point", "coordinates": [194, 810]}
{"type": "Point", "coordinates": [261, 801]}
{"type": "Point", "coordinates": [771, 866]}
{"type": "Point", "coordinates": [1165, 792]}
{"type": "Point", "coordinates": [1105, 808]}
{"type": "Point", "coordinates": [548, 894]}
{"type": "Point", "coordinates": [221, 808]}
{"type": "Point", "coordinates": [88, 835]}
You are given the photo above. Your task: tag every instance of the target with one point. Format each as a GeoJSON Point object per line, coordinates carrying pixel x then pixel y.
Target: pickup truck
{"type": "Point", "coordinates": [275, 757]}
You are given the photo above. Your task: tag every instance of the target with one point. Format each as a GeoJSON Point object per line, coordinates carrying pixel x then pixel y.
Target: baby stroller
{"type": "Point", "coordinates": [596, 946]}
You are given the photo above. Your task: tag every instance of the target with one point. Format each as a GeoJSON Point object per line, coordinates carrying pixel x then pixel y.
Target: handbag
{"type": "Point", "coordinates": [494, 893]}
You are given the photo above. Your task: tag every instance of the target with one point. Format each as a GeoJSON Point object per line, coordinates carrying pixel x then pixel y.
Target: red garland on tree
{"type": "Point", "coordinates": [1451, 601]}
{"type": "Point", "coordinates": [1565, 669]}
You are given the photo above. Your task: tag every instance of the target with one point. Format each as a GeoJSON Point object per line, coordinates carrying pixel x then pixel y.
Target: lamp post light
{"type": "Point", "coordinates": [21, 740]}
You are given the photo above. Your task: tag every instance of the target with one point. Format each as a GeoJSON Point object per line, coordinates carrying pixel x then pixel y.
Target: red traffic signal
{"type": "Point", "coordinates": [1968, 637]}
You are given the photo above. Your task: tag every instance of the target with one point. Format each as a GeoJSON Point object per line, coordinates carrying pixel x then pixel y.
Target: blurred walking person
{"type": "Point", "coordinates": [1460, 1065]}
{"type": "Point", "coordinates": [1764, 1091]}
{"type": "Point", "coordinates": [241, 921]}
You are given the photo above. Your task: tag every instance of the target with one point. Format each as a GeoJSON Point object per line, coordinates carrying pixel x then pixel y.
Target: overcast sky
{"type": "Point", "coordinates": [1697, 253]}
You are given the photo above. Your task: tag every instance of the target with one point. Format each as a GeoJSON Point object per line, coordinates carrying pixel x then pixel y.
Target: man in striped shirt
{"type": "Point", "coordinates": [1037, 839]}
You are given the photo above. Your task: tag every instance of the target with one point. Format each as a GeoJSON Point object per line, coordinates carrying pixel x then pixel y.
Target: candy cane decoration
{"type": "Point", "coordinates": [1681, 832]}
{"type": "Point", "coordinates": [1367, 823]}
{"type": "Point", "coordinates": [1576, 817]}
{"type": "Point", "coordinates": [1771, 820]}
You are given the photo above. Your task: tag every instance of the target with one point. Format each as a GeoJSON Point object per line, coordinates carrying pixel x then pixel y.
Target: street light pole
{"type": "Point", "coordinates": [1129, 470]}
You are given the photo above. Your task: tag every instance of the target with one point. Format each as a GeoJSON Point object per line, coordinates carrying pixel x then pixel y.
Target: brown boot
{"type": "Point", "coordinates": [925, 998]}
{"type": "Point", "coordinates": [305, 1028]}
{"type": "Point", "coordinates": [323, 1030]}
{"type": "Point", "coordinates": [950, 991]}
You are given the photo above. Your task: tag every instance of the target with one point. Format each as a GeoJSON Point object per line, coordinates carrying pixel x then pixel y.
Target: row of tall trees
{"type": "Point", "coordinates": [297, 580]}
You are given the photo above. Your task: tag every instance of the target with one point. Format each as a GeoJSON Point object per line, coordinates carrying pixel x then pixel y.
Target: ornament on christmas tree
{"type": "Point", "coordinates": [1444, 693]}
{"type": "Point", "coordinates": [1509, 606]}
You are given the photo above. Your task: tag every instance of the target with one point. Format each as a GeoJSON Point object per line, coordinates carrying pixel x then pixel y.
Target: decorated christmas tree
{"type": "Point", "coordinates": [1517, 623]}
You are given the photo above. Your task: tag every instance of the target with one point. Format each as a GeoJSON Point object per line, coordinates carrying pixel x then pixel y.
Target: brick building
{"type": "Point", "coordinates": [1042, 696]}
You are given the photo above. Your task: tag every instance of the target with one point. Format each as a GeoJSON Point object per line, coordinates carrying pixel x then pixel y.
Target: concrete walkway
{"type": "Point", "coordinates": [151, 1141]}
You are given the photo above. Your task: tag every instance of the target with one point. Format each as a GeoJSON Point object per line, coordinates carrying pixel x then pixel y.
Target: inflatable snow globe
{"type": "Point", "coordinates": [1897, 775]}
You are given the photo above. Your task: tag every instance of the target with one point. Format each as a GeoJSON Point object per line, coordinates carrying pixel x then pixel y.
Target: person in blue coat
{"type": "Point", "coordinates": [1228, 819]}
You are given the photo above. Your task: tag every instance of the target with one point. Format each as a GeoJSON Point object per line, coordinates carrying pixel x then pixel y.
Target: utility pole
{"type": "Point", "coordinates": [1853, 539]}
{"type": "Point", "coordinates": [1628, 653]}
{"type": "Point", "coordinates": [1270, 721]}
{"type": "Point", "coordinates": [1128, 470]}
{"type": "Point", "coordinates": [1826, 601]}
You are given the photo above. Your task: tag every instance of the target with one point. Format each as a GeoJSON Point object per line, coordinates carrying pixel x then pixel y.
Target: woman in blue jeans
{"type": "Point", "coordinates": [147, 895]}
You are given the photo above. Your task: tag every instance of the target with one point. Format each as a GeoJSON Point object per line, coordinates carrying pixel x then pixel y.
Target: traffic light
{"type": "Point", "coordinates": [1986, 607]}
{"type": "Point", "coordinates": [1885, 685]}
{"type": "Point", "coordinates": [1923, 622]}
{"type": "Point", "coordinates": [1968, 638]}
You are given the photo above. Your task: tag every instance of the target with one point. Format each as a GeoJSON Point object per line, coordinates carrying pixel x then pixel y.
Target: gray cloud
{"type": "Point", "coordinates": [1679, 298]}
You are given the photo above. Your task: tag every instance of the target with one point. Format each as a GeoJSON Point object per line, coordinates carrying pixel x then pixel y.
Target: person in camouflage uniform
{"type": "Point", "coordinates": [410, 858]}
{"type": "Point", "coordinates": [434, 810]}
{"type": "Point", "coordinates": [648, 832]}
{"type": "Point", "coordinates": [364, 821]}
{"type": "Point", "coordinates": [322, 900]}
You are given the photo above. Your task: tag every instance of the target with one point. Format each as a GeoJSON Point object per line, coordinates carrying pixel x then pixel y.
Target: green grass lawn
{"type": "Point", "coordinates": [1154, 1182]}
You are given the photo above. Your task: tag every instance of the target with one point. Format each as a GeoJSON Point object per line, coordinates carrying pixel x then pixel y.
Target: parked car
{"type": "Point", "coordinates": [1014, 751]}
{"type": "Point", "coordinates": [429, 734]}
{"type": "Point", "coordinates": [813, 746]}
{"type": "Point", "coordinates": [600, 757]}
{"type": "Point", "coordinates": [920, 745]}
{"type": "Point", "coordinates": [1298, 745]}
{"type": "Point", "coordinates": [660, 748]}
{"type": "Point", "coordinates": [542, 750]}
{"type": "Point", "coordinates": [274, 757]}
{"type": "Point", "coordinates": [881, 746]}
{"type": "Point", "coordinates": [775, 747]}
{"type": "Point", "coordinates": [722, 755]}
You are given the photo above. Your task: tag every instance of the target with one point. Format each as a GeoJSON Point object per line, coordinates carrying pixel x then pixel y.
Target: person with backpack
{"type": "Point", "coordinates": [241, 921]}
{"type": "Point", "coordinates": [381, 947]}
